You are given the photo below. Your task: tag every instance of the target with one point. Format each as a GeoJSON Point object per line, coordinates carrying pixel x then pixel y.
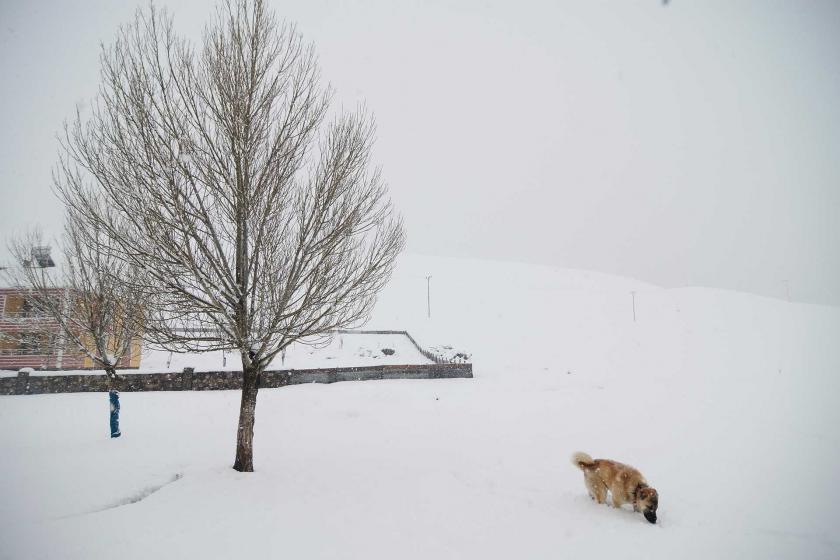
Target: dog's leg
{"type": "Point", "coordinates": [591, 488]}
{"type": "Point", "coordinates": [616, 492]}
{"type": "Point", "coordinates": [601, 494]}
{"type": "Point", "coordinates": [596, 488]}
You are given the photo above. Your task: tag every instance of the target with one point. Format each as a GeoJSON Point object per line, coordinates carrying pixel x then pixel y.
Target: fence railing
{"type": "Point", "coordinates": [434, 356]}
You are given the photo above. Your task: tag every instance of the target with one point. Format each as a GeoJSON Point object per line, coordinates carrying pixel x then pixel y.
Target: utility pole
{"type": "Point", "coordinates": [634, 305]}
{"type": "Point", "coordinates": [428, 298]}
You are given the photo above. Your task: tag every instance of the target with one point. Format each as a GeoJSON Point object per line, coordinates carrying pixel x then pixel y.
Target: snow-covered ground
{"type": "Point", "coordinates": [346, 349]}
{"type": "Point", "coordinates": [725, 401]}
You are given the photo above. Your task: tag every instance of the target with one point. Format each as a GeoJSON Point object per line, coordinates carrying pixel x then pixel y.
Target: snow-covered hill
{"type": "Point", "coordinates": [725, 401]}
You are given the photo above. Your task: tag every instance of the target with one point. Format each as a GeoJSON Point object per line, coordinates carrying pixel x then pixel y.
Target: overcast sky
{"type": "Point", "coordinates": [696, 143]}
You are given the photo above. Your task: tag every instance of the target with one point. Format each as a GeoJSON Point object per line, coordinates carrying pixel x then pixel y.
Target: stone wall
{"type": "Point", "coordinates": [189, 380]}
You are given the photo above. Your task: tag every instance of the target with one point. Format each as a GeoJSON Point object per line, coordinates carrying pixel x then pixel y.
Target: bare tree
{"type": "Point", "coordinates": [85, 299]}
{"type": "Point", "coordinates": [256, 221]}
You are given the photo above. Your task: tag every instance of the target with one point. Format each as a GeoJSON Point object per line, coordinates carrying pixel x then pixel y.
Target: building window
{"type": "Point", "coordinates": [35, 344]}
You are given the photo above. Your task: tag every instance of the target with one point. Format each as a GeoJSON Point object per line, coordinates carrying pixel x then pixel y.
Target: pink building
{"type": "Point", "coordinates": [31, 339]}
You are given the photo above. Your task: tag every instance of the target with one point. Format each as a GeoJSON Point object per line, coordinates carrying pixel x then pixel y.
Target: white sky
{"type": "Point", "coordinates": [688, 144]}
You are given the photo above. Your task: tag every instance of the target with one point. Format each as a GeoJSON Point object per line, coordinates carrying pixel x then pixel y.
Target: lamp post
{"type": "Point", "coordinates": [428, 298]}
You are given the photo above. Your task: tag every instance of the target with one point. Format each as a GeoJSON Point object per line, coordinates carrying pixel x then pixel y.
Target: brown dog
{"type": "Point", "coordinates": [626, 484]}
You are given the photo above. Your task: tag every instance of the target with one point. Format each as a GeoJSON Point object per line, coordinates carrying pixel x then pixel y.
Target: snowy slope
{"type": "Point", "coordinates": [723, 400]}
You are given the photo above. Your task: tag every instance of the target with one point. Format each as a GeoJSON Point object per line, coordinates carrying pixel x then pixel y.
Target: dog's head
{"type": "Point", "coordinates": [647, 503]}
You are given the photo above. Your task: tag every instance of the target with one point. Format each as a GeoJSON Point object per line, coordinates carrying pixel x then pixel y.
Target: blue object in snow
{"type": "Point", "coordinates": [114, 397]}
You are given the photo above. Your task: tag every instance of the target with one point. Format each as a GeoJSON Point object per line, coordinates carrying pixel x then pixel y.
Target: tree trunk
{"type": "Point", "coordinates": [111, 378]}
{"type": "Point", "coordinates": [114, 399]}
{"type": "Point", "coordinates": [245, 434]}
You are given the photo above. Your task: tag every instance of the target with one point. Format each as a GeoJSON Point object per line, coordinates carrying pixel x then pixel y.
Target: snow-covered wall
{"type": "Point", "coordinates": [189, 380]}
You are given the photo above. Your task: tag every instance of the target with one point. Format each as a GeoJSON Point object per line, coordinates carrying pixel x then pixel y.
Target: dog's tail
{"type": "Point", "coordinates": [582, 461]}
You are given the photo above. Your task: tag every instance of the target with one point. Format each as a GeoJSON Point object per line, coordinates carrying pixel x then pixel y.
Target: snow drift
{"type": "Point", "coordinates": [724, 401]}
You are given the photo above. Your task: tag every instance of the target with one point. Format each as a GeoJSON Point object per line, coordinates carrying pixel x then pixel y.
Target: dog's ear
{"type": "Point", "coordinates": [648, 494]}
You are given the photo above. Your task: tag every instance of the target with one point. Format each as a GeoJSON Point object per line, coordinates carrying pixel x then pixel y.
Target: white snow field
{"type": "Point", "coordinates": [725, 401]}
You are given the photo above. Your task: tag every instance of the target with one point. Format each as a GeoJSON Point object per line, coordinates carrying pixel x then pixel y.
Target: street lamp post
{"type": "Point", "coordinates": [428, 298]}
